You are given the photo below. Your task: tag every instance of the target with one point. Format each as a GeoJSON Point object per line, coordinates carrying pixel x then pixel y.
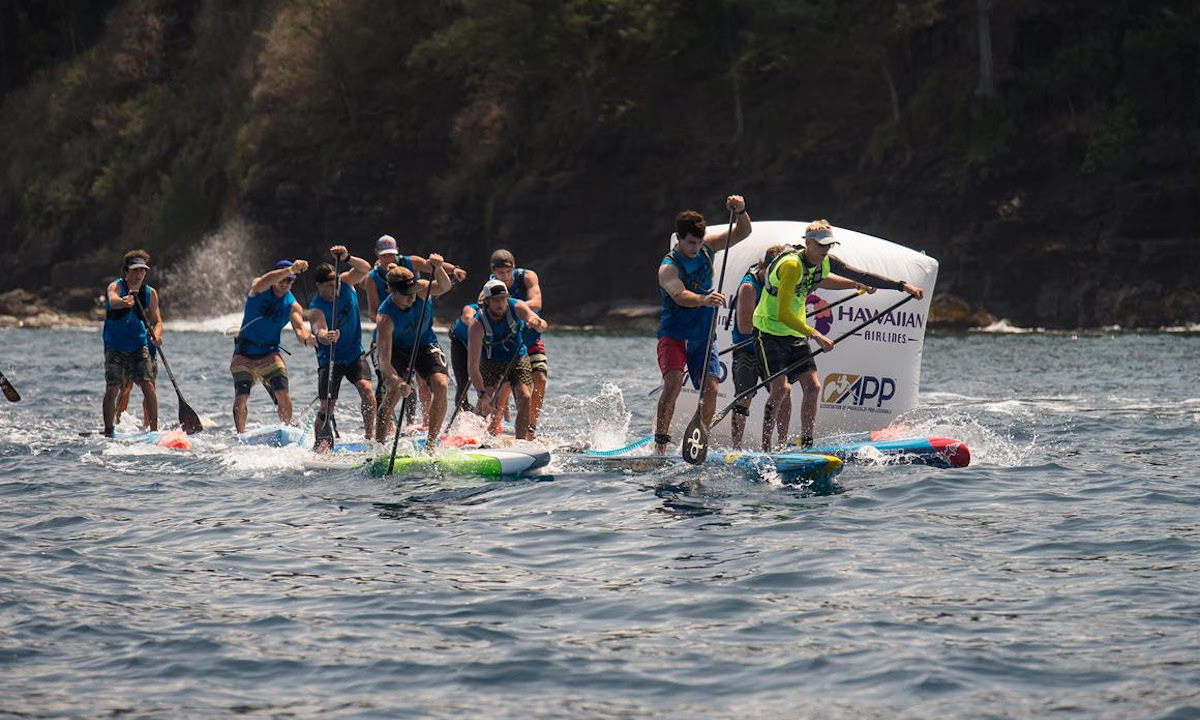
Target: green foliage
{"type": "Point", "coordinates": [1118, 136]}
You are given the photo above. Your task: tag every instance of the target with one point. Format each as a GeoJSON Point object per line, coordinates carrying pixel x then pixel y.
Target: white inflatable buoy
{"type": "Point", "coordinates": [868, 379]}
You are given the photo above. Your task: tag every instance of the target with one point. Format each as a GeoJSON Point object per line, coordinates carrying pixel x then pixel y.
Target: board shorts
{"type": "Point", "coordinates": [538, 363]}
{"type": "Point", "coordinates": [493, 372]}
{"type": "Point", "coordinates": [745, 371]}
{"type": "Point", "coordinates": [351, 371]}
{"type": "Point", "coordinates": [675, 354]}
{"type": "Point", "coordinates": [270, 370]}
{"type": "Point", "coordinates": [133, 366]}
{"type": "Point", "coordinates": [776, 352]}
{"type": "Point", "coordinates": [430, 360]}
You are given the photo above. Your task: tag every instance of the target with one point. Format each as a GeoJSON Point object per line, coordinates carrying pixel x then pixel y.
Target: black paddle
{"type": "Point", "coordinates": [324, 433]}
{"type": "Point", "coordinates": [412, 363]}
{"type": "Point", "coordinates": [10, 392]}
{"type": "Point", "coordinates": [701, 438]}
{"type": "Point", "coordinates": [188, 419]}
{"type": "Point", "coordinates": [695, 454]}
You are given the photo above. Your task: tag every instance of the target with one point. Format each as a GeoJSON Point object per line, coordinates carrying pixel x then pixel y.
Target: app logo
{"type": "Point", "coordinates": [857, 390]}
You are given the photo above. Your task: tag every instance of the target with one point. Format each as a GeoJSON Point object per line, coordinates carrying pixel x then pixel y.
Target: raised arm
{"type": "Point", "coordinates": [721, 239]}
{"type": "Point", "coordinates": [421, 264]}
{"type": "Point", "coordinates": [358, 267]}
{"type": "Point", "coordinates": [263, 282]}
{"type": "Point", "coordinates": [441, 281]}
{"type": "Point", "coordinates": [870, 281]}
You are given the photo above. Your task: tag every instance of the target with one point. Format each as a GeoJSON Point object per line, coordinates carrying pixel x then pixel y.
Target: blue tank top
{"type": "Point", "coordinates": [349, 346]}
{"type": "Point", "coordinates": [752, 278]}
{"type": "Point", "coordinates": [521, 292]}
{"type": "Point", "coordinates": [499, 336]}
{"type": "Point", "coordinates": [404, 323]}
{"type": "Point", "coordinates": [125, 328]}
{"type": "Point", "coordinates": [263, 318]}
{"type": "Point", "coordinates": [690, 323]}
{"type": "Point", "coordinates": [459, 328]}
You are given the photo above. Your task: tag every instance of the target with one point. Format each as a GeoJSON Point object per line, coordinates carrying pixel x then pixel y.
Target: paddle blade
{"type": "Point", "coordinates": [189, 421]}
{"type": "Point", "coordinates": [10, 392]}
{"type": "Point", "coordinates": [323, 432]}
{"type": "Point", "coordinates": [695, 441]}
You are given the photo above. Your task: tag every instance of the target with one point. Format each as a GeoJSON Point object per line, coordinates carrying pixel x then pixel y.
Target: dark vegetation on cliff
{"type": "Point", "coordinates": [1045, 152]}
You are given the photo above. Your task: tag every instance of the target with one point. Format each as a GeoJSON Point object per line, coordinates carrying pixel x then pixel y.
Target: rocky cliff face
{"type": "Point", "coordinates": [1068, 198]}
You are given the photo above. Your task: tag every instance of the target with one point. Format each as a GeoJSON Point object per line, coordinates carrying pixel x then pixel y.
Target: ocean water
{"type": "Point", "coordinates": [1057, 576]}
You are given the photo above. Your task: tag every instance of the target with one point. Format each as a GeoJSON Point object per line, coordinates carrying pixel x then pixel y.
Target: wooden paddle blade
{"type": "Point", "coordinates": [188, 419]}
{"type": "Point", "coordinates": [10, 392]}
{"type": "Point", "coordinates": [695, 441]}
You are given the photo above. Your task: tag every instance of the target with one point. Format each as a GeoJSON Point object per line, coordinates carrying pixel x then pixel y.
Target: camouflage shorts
{"type": "Point", "coordinates": [120, 366]}
{"type": "Point", "coordinates": [493, 372]}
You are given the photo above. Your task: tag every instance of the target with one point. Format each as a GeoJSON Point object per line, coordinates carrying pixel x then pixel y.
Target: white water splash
{"type": "Point", "coordinates": [213, 277]}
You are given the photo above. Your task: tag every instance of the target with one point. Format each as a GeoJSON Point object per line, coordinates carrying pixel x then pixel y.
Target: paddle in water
{"type": "Point", "coordinates": [188, 419]}
{"type": "Point", "coordinates": [695, 437]}
{"type": "Point", "coordinates": [10, 392]}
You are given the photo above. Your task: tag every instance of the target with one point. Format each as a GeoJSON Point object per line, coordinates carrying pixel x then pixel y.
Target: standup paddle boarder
{"type": "Point", "coordinates": [496, 354]}
{"type": "Point", "coordinates": [523, 284]}
{"type": "Point", "coordinates": [341, 327]}
{"type": "Point", "coordinates": [782, 327]}
{"type": "Point", "coordinates": [270, 306]}
{"type": "Point", "coordinates": [406, 339]}
{"type": "Point", "coordinates": [745, 359]}
{"type": "Point", "coordinates": [685, 281]}
{"type": "Point", "coordinates": [127, 341]}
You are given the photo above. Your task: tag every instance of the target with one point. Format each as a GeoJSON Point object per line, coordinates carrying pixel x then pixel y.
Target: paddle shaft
{"type": "Point", "coordinates": [412, 363]}
{"type": "Point", "coordinates": [188, 419]}
{"type": "Point", "coordinates": [698, 420]}
{"type": "Point", "coordinates": [750, 391]}
{"type": "Point", "coordinates": [332, 324]}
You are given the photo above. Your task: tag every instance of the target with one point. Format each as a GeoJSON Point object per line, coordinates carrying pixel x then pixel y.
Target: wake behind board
{"type": "Point", "coordinates": [932, 451]}
{"type": "Point", "coordinates": [171, 439]}
{"type": "Point", "coordinates": [489, 462]}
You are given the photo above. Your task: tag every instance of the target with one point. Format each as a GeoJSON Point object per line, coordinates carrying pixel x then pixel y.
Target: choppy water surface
{"type": "Point", "coordinates": [1056, 576]}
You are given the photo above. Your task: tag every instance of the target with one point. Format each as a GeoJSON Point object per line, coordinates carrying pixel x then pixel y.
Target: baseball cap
{"type": "Point", "coordinates": [493, 288]}
{"type": "Point", "coordinates": [285, 264]}
{"type": "Point", "coordinates": [503, 259]}
{"type": "Point", "coordinates": [823, 237]}
{"type": "Point", "coordinates": [386, 244]}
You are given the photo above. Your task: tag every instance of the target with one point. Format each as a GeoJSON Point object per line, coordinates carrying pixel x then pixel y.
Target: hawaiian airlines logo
{"type": "Point", "coordinates": [889, 328]}
{"type": "Point", "coordinates": [857, 390]}
{"type": "Point", "coordinates": [822, 319]}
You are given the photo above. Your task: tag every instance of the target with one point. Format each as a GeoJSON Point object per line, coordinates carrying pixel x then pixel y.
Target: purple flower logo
{"type": "Point", "coordinates": [818, 317]}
